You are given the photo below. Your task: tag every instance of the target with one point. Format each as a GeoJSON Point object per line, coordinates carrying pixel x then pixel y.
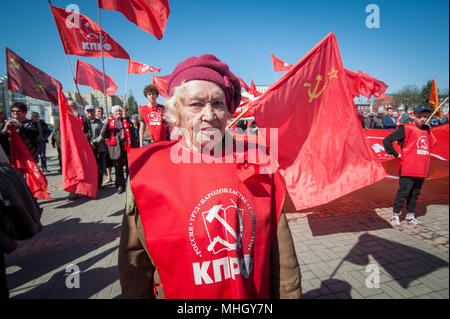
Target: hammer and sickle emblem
{"type": "Point", "coordinates": [14, 64]}
{"type": "Point", "coordinates": [314, 94]}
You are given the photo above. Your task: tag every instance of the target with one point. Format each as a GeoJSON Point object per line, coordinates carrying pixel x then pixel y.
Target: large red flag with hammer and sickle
{"type": "Point", "coordinates": [29, 80]}
{"type": "Point", "coordinates": [81, 36]}
{"type": "Point", "coordinates": [322, 151]}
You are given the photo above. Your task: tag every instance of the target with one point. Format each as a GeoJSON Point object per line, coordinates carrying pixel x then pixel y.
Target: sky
{"type": "Point", "coordinates": [410, 46]}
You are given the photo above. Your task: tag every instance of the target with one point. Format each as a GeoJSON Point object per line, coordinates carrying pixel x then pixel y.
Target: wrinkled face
{"type": "Point", "coordinates": [151, 97]}
{"type": "Point", "coordinates": [99, 113]}
{"type": "Point", "coordinates": [421, 118]}
{"type": "Point", "coordinates": [204, 114]}
{"type": "Point", "coordinates": [35, 117]}
{"type": "Point", "coordinates": [117, 114]}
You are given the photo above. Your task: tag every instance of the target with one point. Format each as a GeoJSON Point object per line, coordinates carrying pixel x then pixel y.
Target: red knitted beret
{"type": "Point", "coordinates": [208, 68]}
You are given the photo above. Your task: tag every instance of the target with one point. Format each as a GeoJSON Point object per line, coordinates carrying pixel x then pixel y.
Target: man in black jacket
{"type": "Point", "coordinates": [44, 133]}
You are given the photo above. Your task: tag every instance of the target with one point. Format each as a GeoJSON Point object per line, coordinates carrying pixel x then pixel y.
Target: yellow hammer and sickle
{"type": "Point", "coordinates": [15, 65]}
{"type": "Point", "coordinates": [314, 94]}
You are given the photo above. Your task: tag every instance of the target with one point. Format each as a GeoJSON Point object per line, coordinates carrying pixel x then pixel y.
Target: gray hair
{"type": "Point", "coordinates": [115, 108]}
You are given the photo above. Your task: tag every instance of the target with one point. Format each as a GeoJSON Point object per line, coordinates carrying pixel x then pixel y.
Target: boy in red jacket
{"type": "Point", "coordinates": [415, 140]}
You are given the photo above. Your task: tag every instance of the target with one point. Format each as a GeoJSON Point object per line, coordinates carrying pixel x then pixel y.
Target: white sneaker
{"type": "Point", "coordinates": [395, 222]}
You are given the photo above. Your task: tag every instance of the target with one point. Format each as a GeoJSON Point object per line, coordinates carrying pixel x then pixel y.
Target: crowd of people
{"type": "Point", "coordinates": [203, 231]}
{"type": "Point", "coordinates": [390, 120]}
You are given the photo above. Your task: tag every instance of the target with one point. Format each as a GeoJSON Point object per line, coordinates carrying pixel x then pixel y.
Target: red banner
{"type": "Point", "coordinates": [140, 68]}
{"type": "Point", "coordinates": [149, 15]}
{"type": "Point", "coordinates": [90, 76]}
{"type": "Point", "coordinates": [439, 152]}
{"type": "Point", "coordinates": [161, 83]}
{"type": "Point", "coordinates": [81, 36]}
{"type": "Point", "coordinates": [22, 160]}
{"type": "Point", "coordinates": [279, 65]}
{"type": "Point", "coordinates": [29, 80]}
{"type": "Point", "coordinates": [434, 99]}
{"type": "Point", "coordinates": [364, 84]}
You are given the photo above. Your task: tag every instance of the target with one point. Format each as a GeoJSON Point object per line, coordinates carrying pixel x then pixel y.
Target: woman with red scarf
{"type": "Point", "coordinates": [120, 137]}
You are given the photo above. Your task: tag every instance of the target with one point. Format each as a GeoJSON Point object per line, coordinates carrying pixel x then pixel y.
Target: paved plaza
{"type": "Point", "coordinates": [346, 249]}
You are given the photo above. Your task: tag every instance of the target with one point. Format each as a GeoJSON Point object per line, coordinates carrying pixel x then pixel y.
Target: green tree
{"type": "Point", "coordinates": [132, 105]}
{"type": "Point", "coordinates": [409, 96]}
{"type": "Point", "coordinates": [425, 93]}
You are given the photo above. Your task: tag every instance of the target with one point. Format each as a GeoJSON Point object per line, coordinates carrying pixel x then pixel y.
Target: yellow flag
{"type": "Point", "coordinates": [434, 99]}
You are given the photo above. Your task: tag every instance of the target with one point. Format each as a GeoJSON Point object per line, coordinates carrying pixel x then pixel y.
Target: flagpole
{"type": "Point", "coordinates": [437, 109]}
{"type": "Point", "coordinates": [74, 81]}
{"type": "Point", "coordinates": [103, 60]}
{"type": "Point", "coordinates": [126, 88]}
{"type": "Point", "coordinates": [237, 118]}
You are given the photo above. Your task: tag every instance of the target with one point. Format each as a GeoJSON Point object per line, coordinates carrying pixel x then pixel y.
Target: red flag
{"type": "Point", "coordinates": [244, 85]}
{"type": "Point", "coordinates": [140, 68]}
{"type": "Point", "coordinates": [149, 15]}
{"type": "Point", "coordinates": [29, 80]}
{"type": "Point", "coordinates": [161, 83]}
{"type": "Point", "coordinates": [81, 36]}
{"type": "Point", "coordinates": [90, 76]}
{"type": "Point", "coordinates": [22, 160]}
{"type": "Point", "coordinates": [253, 90]}
{"type": "Point", "coordinates": [434, 99]}
{"type": "Point", "coordinates": [79, 167]}
{"type": "Point", "coordinates": [279, 65]}
{"type": "Point", "coordinates": [319, 160]}
{"type": "Point", "coordinates": [365, 84]}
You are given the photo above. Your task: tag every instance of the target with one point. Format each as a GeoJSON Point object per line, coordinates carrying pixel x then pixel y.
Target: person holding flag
{"type": "Point", "coordinates": [416, 141]}
{"type": "Point", "coordinates": [212, 228]}
{"type": "Point", "coordinates": [27, 129]}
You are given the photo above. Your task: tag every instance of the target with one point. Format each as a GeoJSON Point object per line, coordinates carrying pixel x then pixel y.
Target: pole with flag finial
{"type": "Point", "coordinates": [103, 60]}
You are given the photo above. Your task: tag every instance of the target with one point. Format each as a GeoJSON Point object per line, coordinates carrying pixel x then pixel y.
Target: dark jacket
{"type": "Point", "coordinates": [20, 213]}
{"type": "Point", "coordinates": [29, 133]}
{"type": "Point", "coordinates": [116, 151]}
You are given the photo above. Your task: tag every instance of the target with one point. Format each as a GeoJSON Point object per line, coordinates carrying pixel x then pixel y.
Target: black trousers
{"type": "Point", "coordinates": [99, 160]}
{"type": "Point", "coordinates": [408, 190]}
{"type": "Point", "coordinates": [4, 292]}
{"type": "Point", "coordinates": [118, 167]}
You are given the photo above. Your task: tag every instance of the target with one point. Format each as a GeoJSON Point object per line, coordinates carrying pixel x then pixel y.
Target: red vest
{"type": "Point", "coordinates": [153, 119]}
{"type": "Point", "coordinates": [415, 159]}
{"type": "Point", "coordinates": [112, 134]}
{"type": "Point", "coordinates": [208, 227]}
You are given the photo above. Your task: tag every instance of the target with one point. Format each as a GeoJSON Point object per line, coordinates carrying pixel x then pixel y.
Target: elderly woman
{"type": "Point", "coordinates": [120, 137]}
{"type": "Point", "coordinates": [206, 224]}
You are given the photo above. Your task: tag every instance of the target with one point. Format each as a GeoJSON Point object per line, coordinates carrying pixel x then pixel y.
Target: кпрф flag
{"type": "Point", "coordinates": [29, 80]}
{"type": "Point", "coordinates": [140, 68]}
{"type": "Point", "coordinates": [81, 36]}
{"type": "Point", "coordinates": [362, 83]}
{"type": "Point", "coordinates": [322, 153]}
{"type": "Point", "coordinates": [279, 65]}
{"type": "Point", "coordinates": [88, 75]}
{"type": "Point", "coordinates": [149, 15]}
